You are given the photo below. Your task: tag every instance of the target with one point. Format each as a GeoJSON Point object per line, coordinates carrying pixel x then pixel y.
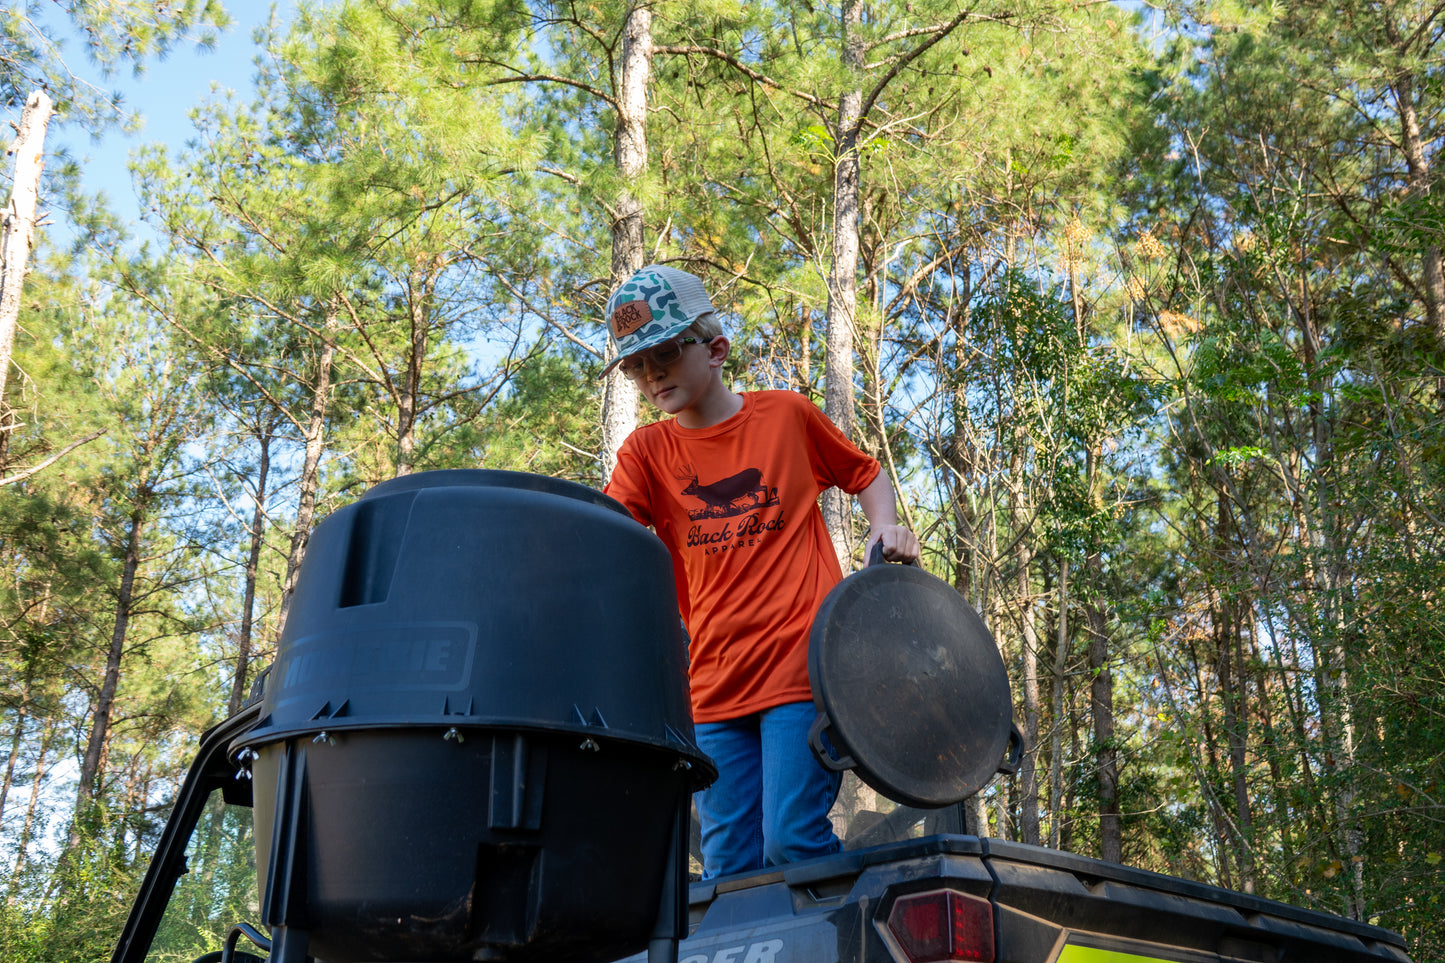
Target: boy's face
{"type": "Point", "coordinates": [678, 386]}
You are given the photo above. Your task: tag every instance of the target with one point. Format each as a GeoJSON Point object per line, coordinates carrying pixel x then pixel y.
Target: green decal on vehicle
{"type": "Point", "coordinates": [1088, 954]}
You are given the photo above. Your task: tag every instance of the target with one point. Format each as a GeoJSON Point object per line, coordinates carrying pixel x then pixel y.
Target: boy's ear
{"type": "Point", "coordinates": [718, 349]}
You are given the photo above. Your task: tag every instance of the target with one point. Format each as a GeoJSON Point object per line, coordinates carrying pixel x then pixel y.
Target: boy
{"type": "Point", "coordinates": [730, 484]}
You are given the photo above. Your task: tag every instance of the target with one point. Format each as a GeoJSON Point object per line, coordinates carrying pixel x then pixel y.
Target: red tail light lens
{"type": "Point", "coordinates": [943, 926]}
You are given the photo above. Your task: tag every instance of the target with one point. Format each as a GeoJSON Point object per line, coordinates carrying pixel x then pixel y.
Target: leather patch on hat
{"type": "Point", "coordinates": [628, 317]}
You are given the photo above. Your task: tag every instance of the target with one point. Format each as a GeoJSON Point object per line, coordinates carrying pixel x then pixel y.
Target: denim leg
{"type": "Point", "coordinates": [797, 792]}
{"type": "Point", "coordinates": [730, 811]}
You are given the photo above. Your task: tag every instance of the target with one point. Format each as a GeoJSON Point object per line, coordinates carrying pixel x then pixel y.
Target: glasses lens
{"type": "Point", "coordinates": [660, 355]}
{"type": "Point", "coordinates": [666, 353]}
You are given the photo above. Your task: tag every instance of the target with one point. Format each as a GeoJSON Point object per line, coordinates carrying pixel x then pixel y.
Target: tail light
{"type": "Point", "coordinates": [942, 926]}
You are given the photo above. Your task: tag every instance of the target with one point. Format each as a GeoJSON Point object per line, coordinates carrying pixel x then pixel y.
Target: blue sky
{"type": "Point", "coordinates": [164, 96]}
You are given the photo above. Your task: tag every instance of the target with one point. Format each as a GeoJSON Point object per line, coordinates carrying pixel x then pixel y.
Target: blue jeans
{"type": "Point", "coordinates": [771, 799]}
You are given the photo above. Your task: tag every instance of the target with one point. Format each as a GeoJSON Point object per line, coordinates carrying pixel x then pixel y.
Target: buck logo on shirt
{"type": "Point", "coordinates": [744, 492]}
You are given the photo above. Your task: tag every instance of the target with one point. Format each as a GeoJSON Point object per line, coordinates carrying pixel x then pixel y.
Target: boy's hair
{"type": "Point", "coordinates": [705, 326]}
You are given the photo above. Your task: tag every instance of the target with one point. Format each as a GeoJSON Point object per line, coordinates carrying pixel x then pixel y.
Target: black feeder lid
{"type": "Point", "coordinates": [909, 686]}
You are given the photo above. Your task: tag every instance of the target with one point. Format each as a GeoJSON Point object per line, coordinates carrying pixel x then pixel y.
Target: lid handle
{"type": "Point", "coordinates": [1013, 754]}
{"type": "Point", "coordinates": [824, 752]}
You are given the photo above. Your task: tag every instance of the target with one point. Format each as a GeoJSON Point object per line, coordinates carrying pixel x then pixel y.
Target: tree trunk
{"type": "Point", "coordinates": [1060, 710]}
{"type": "Point", "coordinates": [843, 271]}
{"type": "Point", "coordinates": [1101, 688]}
{"type": "Point", "coordinates": [18, 235]}
{"type": "Point", "coordinates": [27, 831]}
{"type": "Point", "coordinates": [1230, 683]}
{"type": "Point", "coordinates": [90, 764]}
{"type": "Point", "coordinates": [873, 433]}
{"type": "Point", "coordinates": [1417, 163]}
{"type": "Point", "coordinates": [1028, 630]}
{"type": "Point", "coordinates": [253, 564]}
{"type": "Point", "coordinates": [1101, 704]}
{"type": "Point", "coordinates": [1329, 576]}
{"type": "Point", "coordinates": [16, 741]}
{"type": "Point", "coordinates": [1211, 774]}
{"type": "Point", "coordinates": [22, 711]}
{"type": "Point", "coordinates": [629, 250]}
{"type": "Point", "coordinates": [1234, 691]}
{"type": "Point", "coordinates": [1273, 751]}
{"type": "Point", "coordinates": [311, 466]}
{"type": "Point", "coordinates": [975, 816]}
{"type": "Point", "coordinates": [1333, 681]}
{"type": "Point", "coordinates": [421, 285]}
{"type": "Point", "coordinates": [1073, 725]}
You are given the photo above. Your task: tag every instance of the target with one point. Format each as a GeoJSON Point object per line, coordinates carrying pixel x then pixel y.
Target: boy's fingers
{"type": "Point", "coordinates": [899, 544]}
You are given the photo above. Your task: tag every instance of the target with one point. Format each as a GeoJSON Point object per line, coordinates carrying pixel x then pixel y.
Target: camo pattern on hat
{"type": "Point", "coordinates": [655, 304]}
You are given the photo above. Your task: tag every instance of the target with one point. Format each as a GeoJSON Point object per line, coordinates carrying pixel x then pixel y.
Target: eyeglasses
{"type": "Point", "coordinates": [661, 355]}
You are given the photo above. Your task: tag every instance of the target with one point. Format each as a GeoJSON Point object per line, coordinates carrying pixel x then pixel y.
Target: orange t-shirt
{"type": "Point", "coordinates": [737, 506]}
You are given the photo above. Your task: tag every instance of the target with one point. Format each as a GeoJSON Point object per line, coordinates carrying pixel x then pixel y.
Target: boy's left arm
{"type": "Point", "coordinates": [899, 544]}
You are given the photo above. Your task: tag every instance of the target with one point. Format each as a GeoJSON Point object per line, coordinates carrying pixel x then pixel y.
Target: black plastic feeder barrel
{"type": "Point", "coordinates": [476, 742]}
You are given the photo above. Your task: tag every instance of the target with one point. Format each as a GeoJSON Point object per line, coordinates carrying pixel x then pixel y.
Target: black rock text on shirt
{"type": "Point", "coordinates": [747, 534]}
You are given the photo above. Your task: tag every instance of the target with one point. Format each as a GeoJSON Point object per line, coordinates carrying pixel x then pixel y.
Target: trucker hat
{"type": "Point", "coordinates": [655, 304]}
